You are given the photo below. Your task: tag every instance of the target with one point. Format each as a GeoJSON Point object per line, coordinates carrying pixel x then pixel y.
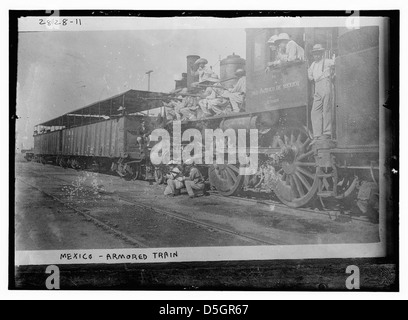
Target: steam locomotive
{"type": "Point", "coordinates": [277, 103]}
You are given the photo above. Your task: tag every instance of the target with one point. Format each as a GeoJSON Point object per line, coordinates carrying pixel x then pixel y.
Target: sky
{"type": "Point", "coordinates": [62, 71]}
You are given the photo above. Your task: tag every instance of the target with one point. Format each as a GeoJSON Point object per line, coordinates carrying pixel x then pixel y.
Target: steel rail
{"type": "Point", "coordinates": [96, 221]}
{"type": "Point", "coordinates": [175, 215]}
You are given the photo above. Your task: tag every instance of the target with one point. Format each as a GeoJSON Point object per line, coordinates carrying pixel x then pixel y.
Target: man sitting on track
{"type": "Point", "coordinates": [194, 182]}
{"type": "Point", "coordinates": [174, 181]}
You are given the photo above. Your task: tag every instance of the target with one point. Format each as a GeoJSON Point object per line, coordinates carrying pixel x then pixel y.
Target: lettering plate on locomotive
{"type": "Point", "coordinates": [281, 88]}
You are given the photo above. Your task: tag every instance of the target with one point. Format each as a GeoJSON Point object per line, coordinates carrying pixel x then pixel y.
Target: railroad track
{"type": "Point", "coordinates": [96, 221]}
{"type": "Point", "coordinates": [272, 205]}
{"type": "Point", "coordinates": [172, 214]}
{"type": "Point", "coordinates": [299, 212]}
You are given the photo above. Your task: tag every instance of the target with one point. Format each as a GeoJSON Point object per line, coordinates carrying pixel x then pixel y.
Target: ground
{"type": "Point", "coordinates": [58, 208]}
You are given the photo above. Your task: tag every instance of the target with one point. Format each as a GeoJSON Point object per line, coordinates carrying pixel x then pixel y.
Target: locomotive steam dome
{"type": "Point", "coordinates": [228, 66]}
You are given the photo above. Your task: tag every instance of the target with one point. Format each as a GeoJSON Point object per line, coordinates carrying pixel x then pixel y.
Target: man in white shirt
{"type": "Point", "coordinates": [212, 100]}
{"type": "Point", "coordinates": [291, 50]}
{"type": "Point", "coordinates": [321, 72]}
{"type": "Point", "coordinates": [203, 72]}
{"type": "Point", "coordinates": [174, 180]}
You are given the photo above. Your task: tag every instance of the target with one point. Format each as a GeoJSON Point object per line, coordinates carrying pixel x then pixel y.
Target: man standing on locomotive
{"type": "Point", "coordinates": [321, 72]}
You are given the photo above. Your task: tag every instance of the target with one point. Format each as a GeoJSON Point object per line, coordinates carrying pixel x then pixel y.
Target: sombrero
{"type": "Point", "coordinates": [240, 72]}
{"type": "Point", "coordinates": [281, 37]}
{"type": "Point", "coordinates": [273, 39]}
{"type": "Point", "coordinates": [201, 60]}
{"type": "Point", "coordinates": [318, 47]}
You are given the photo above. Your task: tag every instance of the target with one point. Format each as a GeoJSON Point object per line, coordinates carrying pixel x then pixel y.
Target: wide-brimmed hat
{"type": "Point", "coordinates": [184, 91]}
{"type": "Point", "coordinates": [318, 48]}
{"type": "Point", "coordinates": [273, 39]}
{"type": "Point", "coordinates": [240, 72]}
{"type": "Point", "coordinates": [282, 37]}
{"type": "Point", "coordinates": [200, 61]}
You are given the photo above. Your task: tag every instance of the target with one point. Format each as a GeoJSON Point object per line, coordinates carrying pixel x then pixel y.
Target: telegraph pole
{"type": "Point", "coordinates": [148, 85]}
{"type": "Point", "coordinates": [148, 79]}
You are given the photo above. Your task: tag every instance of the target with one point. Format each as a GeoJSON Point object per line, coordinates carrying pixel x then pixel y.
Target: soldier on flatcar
{"type": "Point", "coordinates": [203, 72]}
{"type": "Point", "coordinates": [321, 72]}
{"type": "Point", "coordinates": [236, 95]}
{"type": "Point", "coordinates": [188, 108]}
{"type": "Point", "coordinates": [214, 101]}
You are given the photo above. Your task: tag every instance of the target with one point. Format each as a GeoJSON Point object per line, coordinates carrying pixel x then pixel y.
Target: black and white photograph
{"type": "Point", "coordinates": [153, 140]}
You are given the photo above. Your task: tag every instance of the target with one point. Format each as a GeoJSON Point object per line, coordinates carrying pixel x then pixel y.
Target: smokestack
{"type": "Point", "coordinates": [190, 66]}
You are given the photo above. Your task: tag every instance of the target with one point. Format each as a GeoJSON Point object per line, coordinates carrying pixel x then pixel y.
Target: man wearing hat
{"type": "Point", "coordinates": [276, 54]}
{"type": "Point", "coordinates": [194, 180]}
{"type": "Point", "coordinates": [203, 72]}
{"type": "Point", "coordinates": [273, 46]}
{"type": "Point", "coordinates": [236, 95]}
{"type": "Point", "coordinates": [174, 180]}
{"type": "Point", "coordinates": [212, 99]}
{"type": "Point", "coordinates": [321, 72]}
{"type": "Point", "coordinates": [290, 49]}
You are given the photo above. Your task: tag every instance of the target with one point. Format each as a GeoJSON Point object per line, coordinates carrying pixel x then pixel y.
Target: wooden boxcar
{"type": "Point", "coordinates": [104, 134]}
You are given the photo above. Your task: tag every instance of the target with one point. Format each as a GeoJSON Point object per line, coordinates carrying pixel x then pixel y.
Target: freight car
{"type": "Point", "coordinates": [104, 134]}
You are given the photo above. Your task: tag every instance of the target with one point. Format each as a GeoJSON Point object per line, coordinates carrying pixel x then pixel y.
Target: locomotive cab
{"type": "Point", "coordinates": [283, 91]}
{"type": "Point", "coordinates": [290, 166]}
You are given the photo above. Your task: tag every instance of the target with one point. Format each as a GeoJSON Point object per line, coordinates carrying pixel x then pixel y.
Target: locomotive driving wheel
{"type": "Point", "coordinates": [297, 180]}
{"type": "Point", "coordinates": [225, 178]}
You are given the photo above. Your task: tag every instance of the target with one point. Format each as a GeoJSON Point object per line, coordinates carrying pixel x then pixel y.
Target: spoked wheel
{"type": "Point", "coordinates": [297, 178]}
{"type": "Point", "coordinates": [226, 179]}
